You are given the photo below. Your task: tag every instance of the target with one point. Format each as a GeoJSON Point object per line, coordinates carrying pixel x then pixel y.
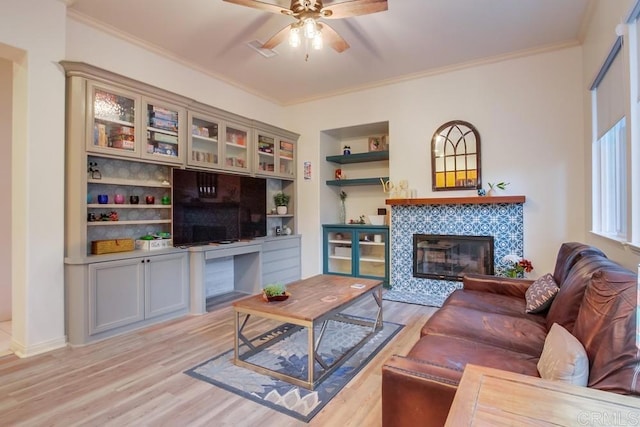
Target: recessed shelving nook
{"type": "Point", "coordinates": [125, 139]}
{"type": "Point", "coordinates": [353, 165]}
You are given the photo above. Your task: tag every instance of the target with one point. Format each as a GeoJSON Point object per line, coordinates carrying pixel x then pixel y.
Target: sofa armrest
{"type": "Point", "coordinates": [496, 285]}
{"type": "Point", "coordinates": [416, 392]}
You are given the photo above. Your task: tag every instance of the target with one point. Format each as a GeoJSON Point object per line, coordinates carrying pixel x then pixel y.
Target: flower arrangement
{"type": "Point", "coordinates": [516, 266]}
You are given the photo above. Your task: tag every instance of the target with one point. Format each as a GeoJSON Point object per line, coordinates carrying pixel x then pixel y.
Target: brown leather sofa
{"type": "Point", "coordinates": [485, 324]}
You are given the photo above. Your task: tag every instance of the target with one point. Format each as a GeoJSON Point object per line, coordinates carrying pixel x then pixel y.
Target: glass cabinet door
{"type": "Point", "coordinates": [371, 253]}
{"type": "Point", "coordinates": [266, 152]}
{"type": "Point", "coordinates": [113, 128]}
{"type": "Point", "coordinates": [339, 252]}
{"type": "Point", "coordinates": [163, 126]}
{"type": "Point", "coordinates": [286, 159]}
{"type": "Point", "coordinates": [204, 147]}
{"type": "Point", "coordinates": [236, 153]}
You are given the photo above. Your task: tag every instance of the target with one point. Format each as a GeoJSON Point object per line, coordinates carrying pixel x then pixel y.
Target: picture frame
{"type": "Point", "coordinates": [375, 143]}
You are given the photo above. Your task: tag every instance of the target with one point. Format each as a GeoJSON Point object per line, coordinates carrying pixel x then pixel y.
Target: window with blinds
{"type": "Point", "coordinates": [609, 148]}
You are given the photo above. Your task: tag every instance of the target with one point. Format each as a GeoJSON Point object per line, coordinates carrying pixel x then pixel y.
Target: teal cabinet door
{"type": "Point", "coordinates": [356, 250]}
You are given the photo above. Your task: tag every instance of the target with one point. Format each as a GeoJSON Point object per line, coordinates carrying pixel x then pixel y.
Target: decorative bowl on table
{"type": "Point", "coordinates": [281, 297]}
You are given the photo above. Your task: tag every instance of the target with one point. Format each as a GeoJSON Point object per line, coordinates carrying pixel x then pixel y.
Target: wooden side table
{"type": "Point", "coordinates": [491, 397]}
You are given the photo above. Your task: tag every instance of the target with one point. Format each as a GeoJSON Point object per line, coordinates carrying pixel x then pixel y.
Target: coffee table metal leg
{"type": "Point", "coordinates": [316, 356]}
{"type": "Point", "coordinates": [311, 355]}
{"type": "Point", "coordinates": [377, 296]}
{"type": "Point", "coordinates": [235, 335]}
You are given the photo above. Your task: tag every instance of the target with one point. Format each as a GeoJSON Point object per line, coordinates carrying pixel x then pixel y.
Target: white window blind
{"type": "Point", "coordinates": [610, 92]}
{"type": "Point", "coordinates": [609, 149]}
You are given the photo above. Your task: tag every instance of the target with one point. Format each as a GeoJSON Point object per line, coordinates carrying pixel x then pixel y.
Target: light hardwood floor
{"type": "Point", "coordinates": [137, 379]}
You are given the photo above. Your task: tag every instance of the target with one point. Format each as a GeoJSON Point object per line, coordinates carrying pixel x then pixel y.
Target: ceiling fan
{"type": "Point", "coordinates": [307, 13]}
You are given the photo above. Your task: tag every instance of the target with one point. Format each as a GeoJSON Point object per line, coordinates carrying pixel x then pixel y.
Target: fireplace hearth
{"type": "Point", "coordinates": [449, 257]}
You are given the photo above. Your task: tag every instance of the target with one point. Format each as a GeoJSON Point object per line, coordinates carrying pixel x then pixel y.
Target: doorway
{"type": "Point", "coordinates": [6, 132]}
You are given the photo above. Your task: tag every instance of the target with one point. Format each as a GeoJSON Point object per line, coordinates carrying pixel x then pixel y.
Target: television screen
{"type": "Point", "coordinates": [216, 207]}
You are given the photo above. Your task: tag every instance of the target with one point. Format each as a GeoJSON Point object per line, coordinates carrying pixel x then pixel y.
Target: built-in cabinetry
{"type": "Point", "coordinates": [253, 263]}
{"type": "Point", "coordinates": [281, 260]}
{"type": "Point", "coordinates": [124, 138]}
{"type": "Point", "coordinates": [275, 154]}
{"type": "Point", "coordinates": [356, 250]}
{"type": "Point", "coordinates": [126, 292]}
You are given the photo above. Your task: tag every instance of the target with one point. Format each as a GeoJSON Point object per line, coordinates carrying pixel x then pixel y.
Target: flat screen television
{"type": "Point", "coordinates": [216, 207]}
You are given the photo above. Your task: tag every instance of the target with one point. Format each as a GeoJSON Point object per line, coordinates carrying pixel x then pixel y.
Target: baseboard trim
{"type": "Point", "coordinates": [23, 351]}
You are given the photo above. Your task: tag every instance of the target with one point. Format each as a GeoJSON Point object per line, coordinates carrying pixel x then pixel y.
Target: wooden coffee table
{"type": "Point", "coordinates": [492, 397]}
{"type": "Point", "coordinates": [313, 302]}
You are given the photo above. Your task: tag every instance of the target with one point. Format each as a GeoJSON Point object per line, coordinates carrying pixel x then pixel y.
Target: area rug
{"type": "Point", "coordinates": [290, 356]}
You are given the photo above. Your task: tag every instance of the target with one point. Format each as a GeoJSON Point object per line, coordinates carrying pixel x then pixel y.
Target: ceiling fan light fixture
{"type": "Point", "coordinates": [310, 28]}
{"type": "Point", "coordinates": [294, 37]}
{"type": "Point", "coordinates": [317, 41]}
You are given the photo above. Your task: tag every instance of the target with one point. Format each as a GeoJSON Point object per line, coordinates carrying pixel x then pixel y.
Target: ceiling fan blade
{"type": "Point", "coordinates": [262, 6]}
{"type": "Point", "coordinates": [353, 8]}
{"type": "Point", "coordinates": [332, 38]}
{"type": "Point", "coordinates": [278, 38]}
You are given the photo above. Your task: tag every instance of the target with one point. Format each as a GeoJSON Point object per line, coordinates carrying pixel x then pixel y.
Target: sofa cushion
{"type": "Point", "coordinates": [454, 353]}
{"type": "Point", "coordinates": [492, 303]}
{"type": "Point", "coordinates": [540, 294]}
{"type": "Point", "coordinates": [563, 358]}
{"type": "Point", "coordinates": [515, 333]}
{"type": "Point", "coordinates": [568, 254]}
{"type": "Point", "coordinates": [607, 327]}
{"type": "Point", "coordinates": [565, 306]}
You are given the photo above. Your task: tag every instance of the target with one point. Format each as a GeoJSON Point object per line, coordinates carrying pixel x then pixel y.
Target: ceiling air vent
{"type": "Point", "coordinates": [257, 46]}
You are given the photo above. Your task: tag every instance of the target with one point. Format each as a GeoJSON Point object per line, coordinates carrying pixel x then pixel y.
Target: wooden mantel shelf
{"type": "Point", "coordinates": [474, 200]}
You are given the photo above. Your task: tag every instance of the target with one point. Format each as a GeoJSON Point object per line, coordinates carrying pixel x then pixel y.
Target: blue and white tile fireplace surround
{"type": "Point", "coordinates": [500, 217]}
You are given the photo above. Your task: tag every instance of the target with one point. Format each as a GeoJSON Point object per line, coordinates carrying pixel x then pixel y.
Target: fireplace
{"type": "Point", "coordinates": [449, 257]}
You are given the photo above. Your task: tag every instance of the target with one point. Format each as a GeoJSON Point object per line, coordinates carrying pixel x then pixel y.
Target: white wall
{"type": "Point", "coordinates": [529, 114]}
{"type": "Point", "coordinates": [6, 115]}
{"type": "Point", "coordinates": [599, 39]}
{"type": "Point", "coordinates": [32, 36]}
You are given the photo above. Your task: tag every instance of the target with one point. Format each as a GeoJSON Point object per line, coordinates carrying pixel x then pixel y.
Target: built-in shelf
{"type": "Point", "coordinates": [137, 222]}
{"type": "Point", "coordinates": [131, 182]}
{"type": "Point", "coordinates": [125, 206]}
{"type": "Point", "coordinates": [474, 200]}
{"type": "Point", "coordinates": [359, 181]}
{"type": "Point", "coordinates": [371, 156]}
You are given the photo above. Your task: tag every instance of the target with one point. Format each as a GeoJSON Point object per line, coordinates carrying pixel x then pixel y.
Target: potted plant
{"type": "Point", "coordinates": [282, 201]}
{"type": "Point", "coordinates": [275, 292]}
{"type": "Point", "coordinates": [493, 186]}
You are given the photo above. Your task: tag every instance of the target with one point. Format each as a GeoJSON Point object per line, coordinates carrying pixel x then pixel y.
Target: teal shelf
{"type": "Point", "coordinates": [371, 156]}
{"type": "Point", "coordinates": [361, 181]}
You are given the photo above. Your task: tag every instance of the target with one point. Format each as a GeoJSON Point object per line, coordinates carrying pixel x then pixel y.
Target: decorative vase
{"type": "Point", "coordinates": [491, 193]}
{"type": "Point", "coordinates": [342, 213]}
{"type": "Point", "coordinates": [281, 210]}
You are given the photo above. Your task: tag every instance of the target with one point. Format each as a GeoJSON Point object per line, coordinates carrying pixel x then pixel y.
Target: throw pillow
{"type": "Point", "coordinates": [540, 294]}
{"type": "Point", "coordinates": [563, 358]}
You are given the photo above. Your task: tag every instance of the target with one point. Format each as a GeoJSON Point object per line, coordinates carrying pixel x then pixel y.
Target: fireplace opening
{"type": "Point", "coordinates": [448, 257]}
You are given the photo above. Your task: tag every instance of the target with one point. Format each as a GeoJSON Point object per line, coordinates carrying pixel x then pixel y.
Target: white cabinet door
{"type": "Point", "coordinates": [116, 294]}
{"type": "Point", "coordinates": [166, 284]}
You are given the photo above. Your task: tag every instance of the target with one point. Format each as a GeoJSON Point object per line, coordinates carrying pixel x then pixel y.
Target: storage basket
{"type": "Point", "coordinates": [99, 247]}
